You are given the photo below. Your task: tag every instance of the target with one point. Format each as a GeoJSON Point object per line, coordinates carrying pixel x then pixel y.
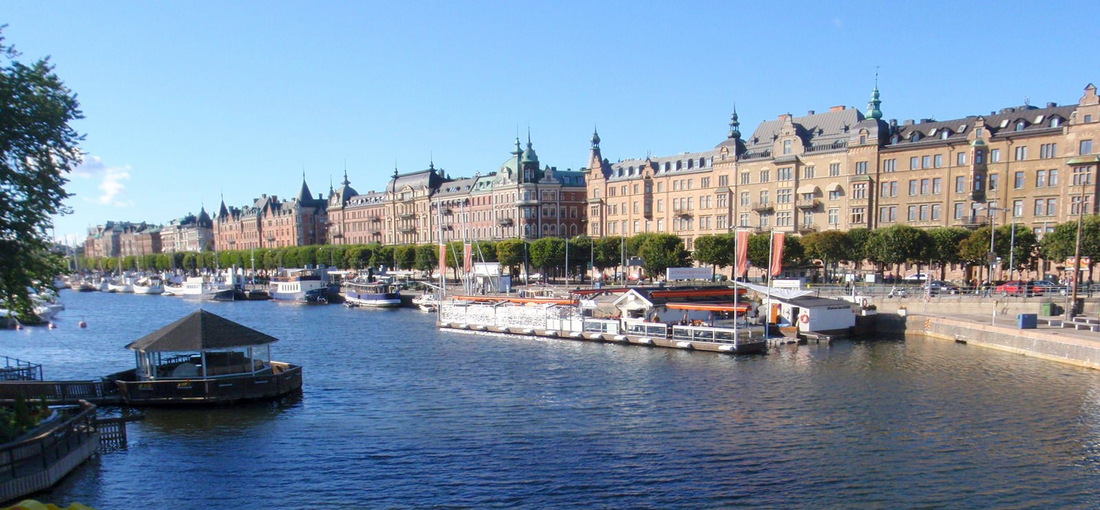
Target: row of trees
{"type": "Point", "coordinates": [886, 248]}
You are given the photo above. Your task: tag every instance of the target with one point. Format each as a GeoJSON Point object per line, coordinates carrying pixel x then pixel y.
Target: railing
{"type": "Point", "coordinates": [756, 155]}
{"type": "Point", "coordinates": [19, 370]}
{"type": "Point", "coordinates": [47, 453]}
{"type": "Point", "coordinates": [839, 144]}
{"type": "Point", "coordinates": [59, 391]}
{"type": "Point", "coordinates": [804, 203]}
{"type": "Point", "coordinates": [715, 335]}
{"type": "Point", "coordinates": [763, 206]}
{"type": "Point", "coordinates": [650, 329]}
{"type": "Point", "coordinates": [601, 326]}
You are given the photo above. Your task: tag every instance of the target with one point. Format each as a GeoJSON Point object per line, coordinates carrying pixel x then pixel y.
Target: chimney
{"type": "Point", "coordinates": [924, 121]}
{"type": "Point", "coordinates": [908, 122]}
{"type": "Point", "coordinates": [1052, 105]}
{"type": "Point", "coordinates": [837, 108]}
{"type": "Point", "coordinates": [811, 112]}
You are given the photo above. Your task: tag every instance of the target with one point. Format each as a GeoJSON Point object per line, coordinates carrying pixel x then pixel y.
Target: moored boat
{"type": "Point", "coordinates": [149, 285]}
{"type": "Point", "coordinates": [371, 295]}
{"type": "Point", "coordinates": [299, 286]}
{"type": "Point", "coordinates": [426, 302]}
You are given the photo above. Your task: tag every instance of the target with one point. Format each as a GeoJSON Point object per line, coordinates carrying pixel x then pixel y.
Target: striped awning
{"type": "Point", "coordinates": [807, 189]}
{"type": "Point", "coordinates": [833, 186]}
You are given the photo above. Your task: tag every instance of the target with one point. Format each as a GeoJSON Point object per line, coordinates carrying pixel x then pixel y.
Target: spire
{"type": "Point", "coordinates": [519, 149]}
{"type": "Point", "coordinates": [223, 211]}
{"type": "Point", "coordinates": [873, 105]}
{"type": "Point", "coordinates": [595, 138]}
{"type": "Point", "coordinates": [735, 124]}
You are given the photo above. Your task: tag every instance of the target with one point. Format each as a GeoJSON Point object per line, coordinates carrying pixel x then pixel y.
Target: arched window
{"type": "Point", "coordinates": [1020, 125]}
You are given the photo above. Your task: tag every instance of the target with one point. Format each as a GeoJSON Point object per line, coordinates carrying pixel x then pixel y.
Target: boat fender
{"type": "Point", "coordinates": [804, 319]}
{"type": "Point", "coordinates": [863, 303]}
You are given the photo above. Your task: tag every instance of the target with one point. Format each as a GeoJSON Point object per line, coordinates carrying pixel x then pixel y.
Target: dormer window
{"type": "Point", "coordinates": [1055, 122]}
{"type": "Point", "coordinates": [944, 134]}
{"type": "Point", "coordinates": [915, 137]}
{"type": "Point", "coordinates": [1021, 125]}
{"type": "Point", "coordinates": [894, 139]}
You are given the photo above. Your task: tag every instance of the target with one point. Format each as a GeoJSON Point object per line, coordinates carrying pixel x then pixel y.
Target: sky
{"type": "Point", "coordinates": [190, 102]}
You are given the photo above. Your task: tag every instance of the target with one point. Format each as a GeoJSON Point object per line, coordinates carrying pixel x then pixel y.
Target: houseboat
{"type": "Point", "coordinates": [204, 358]}
{"type": "Point", "coordinates": [299, 286]}
{"type": "Point", "coordinates": [371, 295]}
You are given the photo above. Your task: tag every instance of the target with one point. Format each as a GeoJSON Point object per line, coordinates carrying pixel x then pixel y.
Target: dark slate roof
{"type": "Point", "coordinates": [819, 129]}
{"type": "Point", "coordinates": [199, 331]}
{"type": "Point", "coordinates": [429, 179]}
{"type": "Point", "coordinates": [632, 168]}
{"type": "Point", "coordinates": [1001, 123]}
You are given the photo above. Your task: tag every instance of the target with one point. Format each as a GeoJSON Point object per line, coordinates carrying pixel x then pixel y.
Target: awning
{"type": "Point", "coordinates": [807, 189]}
{"type": "Point", "coordinates": [710, 307]}
{"type": "Point", "coordinates": [833, 186]}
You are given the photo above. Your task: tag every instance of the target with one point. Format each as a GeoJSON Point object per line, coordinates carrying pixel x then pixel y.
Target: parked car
{"type": "Point", "coordinates": [1019, 288]}
{"type": "Point", "coordinates": [1049, 287]}
{"type": "Point", "coordinates": [916, 277]}
{"type": "Point", "coordinates": [936, 287]}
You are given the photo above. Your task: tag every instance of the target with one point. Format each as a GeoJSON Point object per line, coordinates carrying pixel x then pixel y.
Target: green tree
{"type": "Point", "coordinates": [37, 149]}
{"type": "Point", "coordinates": [382, 256]}
{"type": "Point", "coordinates": [580, 254]}
{"type": "Point", "coordinates": [897, 244]}
{"type": "Point", "coordinates": [427, 258]}
{"type": "Point", "coordinates": [662, 251]}
{"type": "Point", "coordinates": [510, 253]}
{"type": "Point", "coordinates": [859, 237]}
{"type": "Point", "coordinates": [716, 250]}
{"type": "Point", "coordinates": [760, 250]}
{"type": "Point", "coordinates": [405, 256]}
{"type": "Point", "coordinates": [548, 254]}
{"type": "Point", "coordinates": [946, 246]}
{"type": "Point", "coordinates": [1061, 244]}
{"type": "Point", "coordinates": [829, 246]}
{"type": "Point", "coordinates": [608, 252]}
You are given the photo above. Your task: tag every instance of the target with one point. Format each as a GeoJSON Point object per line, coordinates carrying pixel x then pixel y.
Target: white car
{"type": "Point", "coordinates": [916, 277]}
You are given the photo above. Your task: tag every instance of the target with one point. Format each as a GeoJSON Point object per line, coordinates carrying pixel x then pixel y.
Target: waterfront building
{"type": "Point", "coordinates": [122, 238]}
{"type": "Point", "coordinates": [189, 233]}
{"type": "Point", "coordinates": [139, 240]}
{"type": "Point", "coordinates": [271, 223]}
{"type": "Point", "coordinates": [519, 200]}
{"type": "Point", "coordinates": [844, 169]}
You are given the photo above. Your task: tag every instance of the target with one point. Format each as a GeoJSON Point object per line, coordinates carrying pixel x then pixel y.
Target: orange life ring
{"type": "Point", "coordinates": [805, 318]}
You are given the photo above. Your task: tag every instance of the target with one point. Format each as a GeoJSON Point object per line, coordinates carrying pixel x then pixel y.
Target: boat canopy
{"type": "Point", "coordinates": [710, 307]}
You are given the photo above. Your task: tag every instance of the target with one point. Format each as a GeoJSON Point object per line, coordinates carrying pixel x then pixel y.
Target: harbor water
{"type": "Point", "coordinates": [396, 414]}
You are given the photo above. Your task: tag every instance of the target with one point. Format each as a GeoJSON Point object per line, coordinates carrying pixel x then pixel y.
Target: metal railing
{"type": "Point", "coordinates": [19, 370]}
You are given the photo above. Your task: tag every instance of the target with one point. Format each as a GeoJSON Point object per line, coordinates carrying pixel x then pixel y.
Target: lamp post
{"type": "Point", "coordinates": [1082, 176]}
{"type": "Point", "coordinates": [992, 240]}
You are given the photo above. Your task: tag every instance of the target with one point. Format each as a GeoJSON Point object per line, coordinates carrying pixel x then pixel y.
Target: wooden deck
{"type": "Point", "coordinates": [40, 461]}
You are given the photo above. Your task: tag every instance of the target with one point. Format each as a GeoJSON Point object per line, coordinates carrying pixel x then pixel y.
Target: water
{"type": "Point", "coordinates": [395, 414]}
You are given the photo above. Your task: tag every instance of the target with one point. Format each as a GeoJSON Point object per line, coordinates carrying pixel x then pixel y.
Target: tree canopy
{"type": "Point", "coordinates": [38, 148]}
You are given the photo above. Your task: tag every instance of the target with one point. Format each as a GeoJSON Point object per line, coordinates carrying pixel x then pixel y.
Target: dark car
{"type": "Point", "coordinates": [1049, 287]}
{"type": "Point", "coordinates": [935, 287]}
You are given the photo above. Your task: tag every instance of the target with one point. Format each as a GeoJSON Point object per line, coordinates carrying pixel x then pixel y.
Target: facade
{"type": "Point", "coordinates": [272, 223]}
{"type": "Point", "coordinates": [519, 200]}
{"type": "Point", "coordinates": [143, 239]}
{"type": "Point", "coordinates": [122, 238]}
{"type": "Point", "coordinates": [843, 169]}
{"type": "Point", "coordinates": [189, 233]}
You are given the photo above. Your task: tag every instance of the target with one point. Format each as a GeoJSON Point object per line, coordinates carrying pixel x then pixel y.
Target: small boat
{"type": "Point", "coordinates": [426, 302]}
{"type": "Point", "coordinates": [197, 286]}
{"type": "Point", "coordinates": [120, 285]}
{"type": "Point", "coordinates": [372, 294]}
{"type": "Point", "coordinates": [149, 285]}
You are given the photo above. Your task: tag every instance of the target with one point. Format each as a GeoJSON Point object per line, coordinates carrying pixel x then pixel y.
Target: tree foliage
{"type": "Point", "coordinates": [662, 251]}
{"type": "Point", "coordinates": [716, 250]}
{"type": "Point", "coordinates": [38, 149]}
{"type": "Point", "coordinates": [547, 254]}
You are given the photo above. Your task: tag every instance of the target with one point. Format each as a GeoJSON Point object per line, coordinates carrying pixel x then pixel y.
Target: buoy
{"type": "Point", "coordinates": [82, 324]}
{"type": "Point", "coordinates": [18, 326]}
{"type": "Point", "coordinates": [52, 326]}
{"type": "Point", "coordinates": [804, 319]}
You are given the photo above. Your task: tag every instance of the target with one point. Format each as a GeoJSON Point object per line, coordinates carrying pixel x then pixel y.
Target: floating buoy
{"type": "Point", "coordinates": [18, 326]}
{"type": "Point", "coordinates": [52, 326]}
{"type": "Point", "coordinates": [82, 324]}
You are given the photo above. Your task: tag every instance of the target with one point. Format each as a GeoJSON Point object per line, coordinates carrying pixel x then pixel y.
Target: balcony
{"type": "Point", "coordinates": [505, 222]}
{"type": "Point", "coordinates": [525, 202]}
{"type": "Point", "coordinates": [807, 229]}
{"type": "Point", "coordinates": [375, 232]}
{"type": "Point", "coordinates": [375, 219]}
{"type": "Point", "coordinates": [763, 207]}
{"type": "Point", "coordinates": [808, 203]}
{"type": "Point", "coordinates": [973, 222]}
{"type": "Point", "coordinates": [407, 230]}
{"type": "Point", "coordinates": [683, 213]}
{"type": "Point", "coordinates": [406, 216]}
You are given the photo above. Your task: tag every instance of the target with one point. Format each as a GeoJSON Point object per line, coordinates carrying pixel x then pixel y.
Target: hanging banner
{"type": "Point", "coordinates": [442, 259]}
{"type": "Point", "coordinates": [467, 257]}
{"type": "Point", "coordinates": [741, 264]}
{"type": "Point", "coordinates": [777, 252]}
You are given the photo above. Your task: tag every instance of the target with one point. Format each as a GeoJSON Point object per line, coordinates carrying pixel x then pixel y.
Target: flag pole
{"type": "Point", "coordinates": [768, 308]}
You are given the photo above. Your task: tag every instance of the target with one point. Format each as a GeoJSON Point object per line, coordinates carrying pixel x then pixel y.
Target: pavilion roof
{"type": "Point", "coordinates": [200, 331]}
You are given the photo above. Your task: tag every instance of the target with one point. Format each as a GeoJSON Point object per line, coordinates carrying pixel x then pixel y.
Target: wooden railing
{"type": "Point", "coordinates": [60, 392]}
{"type": "Point", "coordinates": [36, 462]}
{"type": "Point", "coordinates": [19, 370]}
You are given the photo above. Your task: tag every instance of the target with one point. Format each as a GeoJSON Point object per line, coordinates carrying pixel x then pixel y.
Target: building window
{"type": "Point", "coordinates": [834, 194]}
{"type": "Point", "coordinates": [859, 191]}
{"type": "Point", "coordinates": [861, 168]}
{"type": "Point", "coordinates": [937, 185]}
{"type": "Point", "coordinates": [1076, 205]}
{"type": "Point", "coordinates": [937, 160]}
{"type": "Point", "coordinates": [1052, 178]}
{"type": "Point", "coordinates": [994, 156]}
{"type": "Point", "coordinates": [1048, 150]}
{"type": "Point", "coordinates": [912, 187]}
{"type": "Point", "coordinates": [704, 182]}
{"type": "Point", "coordinates": [994, 182]}
{"type": "Point", "coordinates": [723, 201]}
{"type": "Point", "coordinates": [889, 166]}
{"type": "Point", "coordinates": [1082, 175]}
{"type": "Point", "coordinates": [1086, 147]}
{"type": "Point", "coordinates": [1017, 208]}
{"type": "Point", "coordinates": [960, 184]}
{"type": "Point", "coordinates": [764, 176]}
{"type": "Point", "coordinates": [834, 216]}
{"type": "Point", "coordinates": [978, 155]}
{"type": "Point", "coordinates": [808, 172]}
{"type": "Point", "coordinates": [1052, 206]}
{"type": "Point", "coordinates": [784, 174]}
{"type": "Point", "coordinates": [723, 180]}
{"type": "Point", "coordinates": [834, 169]}
{"type": "Point", "coordinates": [959, 209]}
{"type": "Point", "coordinates": [936, 212]}
{"type": "Point", "coordinates": [960, 159]}
{"type": "Point", "coordinates": [783, 219]}
{"type": "Point", "coordinates": [1018, 180]}
{"type": "Point", "coordinates": [924, 213]}
{"type": "Point", "coordinates": [783, 196]}
{"type": "Point", "coordinates": [722, 221]}
{"type": "Point", "coordinates": [1021, 153]}
{"type": "Point", "coordinates": [914, 163]}
{"type": "Point", "coordinates": [786, 147]}
{"type": "Point", "coordinates": [1041, 179]}
{"type": "Point", "coordinates": [925, 186]}
{"type": "Point", "coordinates": [744, 220]}
{"type": "Point", "coordinates": [926, 162]}
{"type": "Point", "coordinates": [912, 216]}
{"type": "Point", "coordinates": [764, 198]}
{"type": "Point", "coordinates": [745, 198]}
{"type": "Point", "coordinates": [745, 179]}
{"type": "Point", "coordinates": [1040, 207]}
{"type": "Point", "coordinates": [859, 215]}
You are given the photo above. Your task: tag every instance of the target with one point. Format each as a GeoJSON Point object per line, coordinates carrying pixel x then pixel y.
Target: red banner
{"type": "Point", "coordinates": [777, 252]}
{"type": "Point", "coordinates": [741, 264]}
{"type": "Point", "coordinates": [468, 257]}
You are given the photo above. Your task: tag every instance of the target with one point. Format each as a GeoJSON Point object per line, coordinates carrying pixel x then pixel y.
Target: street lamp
{"type": "Point", "coordinates": [992, 239]}
{"type": "Point", "coordinates": [1082, 176]}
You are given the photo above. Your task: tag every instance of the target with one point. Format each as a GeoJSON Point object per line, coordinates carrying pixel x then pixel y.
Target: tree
{"type": "Point", "coordinates": [897, 244]}
{"type": "Point", "coordinates": [37, 149]}
{"type": "Point", "coordinates": [510, 253]}
{"type": "Point", "coordinates": [760, 250]}
{"type": "Point", "coordinates": [548, 254]}
{"type": "Point", "coordinates": [608, 252]}
{"type": "Point", "coordinates": [427, 258]}
{"type": "Point", "coordinates": [946, 246]}
{"type": "Point", "coordinates": [405, 256]}
{"type": "Point", "coordinates": [859, 237]}
{"type": "Point", "coordinates": [580, 254]}
{"type": "Point", "coordinates": [662, 251]}
{"type": "Point", "coordinates": [716, 250]}
{"type": "Point", "coordinates": [829, 246]}
{"type": "Point", "coordinates": [1061, 244]}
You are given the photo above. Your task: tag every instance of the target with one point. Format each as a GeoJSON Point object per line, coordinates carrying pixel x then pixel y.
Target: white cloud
{"type": "Point", "coordinates": [112, 180]}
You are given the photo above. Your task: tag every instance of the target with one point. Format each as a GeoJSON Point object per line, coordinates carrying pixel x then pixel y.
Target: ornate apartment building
{"type": "Point", "coordinates": [189, 233]}
{"type": "Point", "coordinates": [843, 169]}
{"type": "Point", "coordinates": [272, 223]}
{"type": "Point", "coordinates": [520, 200]}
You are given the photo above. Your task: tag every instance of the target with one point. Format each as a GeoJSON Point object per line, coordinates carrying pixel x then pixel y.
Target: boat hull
{"type": "Point", "coordinates": [283, 380]}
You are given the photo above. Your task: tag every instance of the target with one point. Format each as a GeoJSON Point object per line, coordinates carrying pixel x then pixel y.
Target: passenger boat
{"type": "Point", "coordinates": [197, 286]}
{"type": "Point", "coordinates": [371, 294]}
{"type": "Point", "coordinates": [299, 286]}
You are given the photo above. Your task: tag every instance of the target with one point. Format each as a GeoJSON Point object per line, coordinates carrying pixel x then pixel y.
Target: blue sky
{"type": "Point", "coordinates": [186, 102]}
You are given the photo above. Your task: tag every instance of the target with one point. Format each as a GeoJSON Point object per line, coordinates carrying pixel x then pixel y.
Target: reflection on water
{"type": "Point", "coordinates": [397, 414]}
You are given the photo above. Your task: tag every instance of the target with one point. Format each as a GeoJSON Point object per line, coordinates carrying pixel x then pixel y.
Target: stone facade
{"type": "Point", "coordinates": [272, 223]}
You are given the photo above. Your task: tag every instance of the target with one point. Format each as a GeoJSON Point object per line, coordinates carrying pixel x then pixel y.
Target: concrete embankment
{"type": "Point", "coordinates": [1081, 348]}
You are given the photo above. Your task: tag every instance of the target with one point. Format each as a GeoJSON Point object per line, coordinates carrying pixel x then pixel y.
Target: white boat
{"type": "Point", "coordinates": [299, 286]}
{"type": "Point", "coordinates": [372, 295]}
{"type": "Point", "coordinates": [149, 285]}
{"type": "Point", "coordinates": [197, 286]}
{"type": "Point", "coordinates": [427, 302]}
{"type": "Point", "coordinates": [121, 285]}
